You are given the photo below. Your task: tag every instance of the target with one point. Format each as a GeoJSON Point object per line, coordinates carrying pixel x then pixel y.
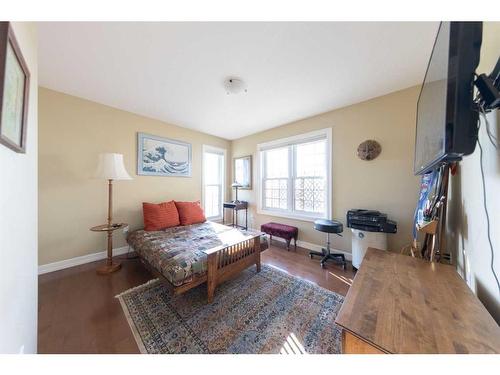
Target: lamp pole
{"type": "Point", "coordinates": [109, 261]}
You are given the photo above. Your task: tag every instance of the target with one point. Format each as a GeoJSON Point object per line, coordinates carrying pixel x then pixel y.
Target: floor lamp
{"type": "Point", "coordinates": [110, 168]}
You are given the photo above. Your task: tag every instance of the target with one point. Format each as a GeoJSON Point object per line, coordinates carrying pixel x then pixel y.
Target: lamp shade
{"type": "Point", "coordinates": [111, 167]}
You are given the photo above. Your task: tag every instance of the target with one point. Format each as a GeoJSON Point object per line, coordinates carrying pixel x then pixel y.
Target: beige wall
{"type": "Point", "coordinates": [73, 132]}
{"type": "Point", "coordinates": [18, 221]}
{"type": "Point", "coordinates": [467, 227]}
{"type": "Point", "coordinates": [386, 183]}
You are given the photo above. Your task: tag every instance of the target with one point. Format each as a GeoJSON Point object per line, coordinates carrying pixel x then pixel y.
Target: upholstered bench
{"type": "Point", "coordinates": [287, 232]}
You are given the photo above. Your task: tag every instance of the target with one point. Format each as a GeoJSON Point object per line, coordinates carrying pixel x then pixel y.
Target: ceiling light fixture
{"type": "Point", "coordinates": [234, 86]}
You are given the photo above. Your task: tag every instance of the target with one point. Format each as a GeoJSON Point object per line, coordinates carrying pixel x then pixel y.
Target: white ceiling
{"type": "Point", "coordinates": [174, 72]}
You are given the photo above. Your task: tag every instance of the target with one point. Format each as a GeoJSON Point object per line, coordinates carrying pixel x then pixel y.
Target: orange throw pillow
{"type": "Point", "coordinates": [190, 213]}
{"type": "Point", "coordinates": [160, 216]}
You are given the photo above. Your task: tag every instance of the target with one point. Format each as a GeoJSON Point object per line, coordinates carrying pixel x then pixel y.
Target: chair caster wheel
{"type": "Point", "coordinates": [322, 265]}
{"type": "Point", "coordinates": [310, 256]}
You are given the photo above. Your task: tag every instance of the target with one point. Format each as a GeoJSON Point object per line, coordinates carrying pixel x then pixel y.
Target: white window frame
{"type": "Point", "coordinates": [301, 138]}
{"type": "Point", "coordinates": [216, 150]}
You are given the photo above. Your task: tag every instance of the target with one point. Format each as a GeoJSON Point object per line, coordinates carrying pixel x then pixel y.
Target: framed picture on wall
{"type": "Point", "coordinates": [157, 156]}
{"type": "Point", "coordinates": [14, 91]}
{"type": "Point", "coordinates": [243, 172]}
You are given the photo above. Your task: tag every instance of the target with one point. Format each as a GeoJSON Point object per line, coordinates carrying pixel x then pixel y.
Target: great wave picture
{"type": "Point", "coordinates": [163, 157]}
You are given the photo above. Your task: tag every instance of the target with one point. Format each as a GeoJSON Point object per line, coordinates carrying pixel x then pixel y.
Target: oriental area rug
{"type": "Point", "coordinates": [266, 312]}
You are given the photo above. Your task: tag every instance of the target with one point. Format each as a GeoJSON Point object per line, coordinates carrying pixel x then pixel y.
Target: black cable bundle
{"type": "Point", "coordinates": [489, 89]}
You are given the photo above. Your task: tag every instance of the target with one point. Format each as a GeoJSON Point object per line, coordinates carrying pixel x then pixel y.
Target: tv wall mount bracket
{"type": "Point", "coordinates": [489, 89]}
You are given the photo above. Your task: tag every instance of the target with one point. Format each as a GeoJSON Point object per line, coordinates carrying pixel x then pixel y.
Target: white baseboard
{"type": "Point", "coordinates": [56, 266]}
{"type": "Point", "coordinates": [314, 247]}
{"type": "Point", "coordinates": [67, 263]}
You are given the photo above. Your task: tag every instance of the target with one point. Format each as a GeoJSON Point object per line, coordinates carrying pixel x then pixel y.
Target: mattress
{"type": "Point", "coordinates": [178, 252]}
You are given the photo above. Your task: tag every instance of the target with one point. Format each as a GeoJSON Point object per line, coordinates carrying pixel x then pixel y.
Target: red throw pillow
{"type": "Point", "coordinates": [160, 216]}
{"type": "Point", "coordinates": [190, 213]}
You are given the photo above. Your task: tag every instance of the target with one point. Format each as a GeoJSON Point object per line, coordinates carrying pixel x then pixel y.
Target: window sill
{"type": "Point", "coordinates": [288, 215]}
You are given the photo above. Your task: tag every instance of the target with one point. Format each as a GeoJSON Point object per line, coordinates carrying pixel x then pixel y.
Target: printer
{"type": "Point", "coordinates": [370, 221]}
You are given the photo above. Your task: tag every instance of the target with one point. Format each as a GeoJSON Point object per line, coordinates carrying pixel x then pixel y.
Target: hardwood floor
{"type": "Point", "coordinates": [77, 311]}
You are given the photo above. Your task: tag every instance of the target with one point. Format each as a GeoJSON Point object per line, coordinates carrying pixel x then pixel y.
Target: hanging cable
{"type": "Point", "coordinates": [493, 139]}
{"type": "Point", "coordinates": [492, 264]}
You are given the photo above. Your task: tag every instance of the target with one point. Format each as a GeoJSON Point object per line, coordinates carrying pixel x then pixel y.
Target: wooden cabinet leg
{"type": "Point", "coordinates": [343, 350]}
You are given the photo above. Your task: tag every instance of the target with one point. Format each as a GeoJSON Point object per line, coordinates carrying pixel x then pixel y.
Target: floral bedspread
{"type": "Point", "coordinates": [177, 253]}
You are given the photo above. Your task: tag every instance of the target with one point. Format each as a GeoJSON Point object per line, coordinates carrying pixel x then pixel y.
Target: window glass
{"type": "Point", "coordinates": [213, 180]}
{"type": "Point", "coordinates": [294, 178]}
{"type": "Point", "coordinates": [276, 163]}
{"type": "Point", "coordinates": [310, 181]}
{"type": "Point", "coordinates": [311, 159]}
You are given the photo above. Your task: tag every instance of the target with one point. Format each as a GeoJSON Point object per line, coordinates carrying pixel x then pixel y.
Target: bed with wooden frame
{"type": "Point", "coordinates": [187, 256]}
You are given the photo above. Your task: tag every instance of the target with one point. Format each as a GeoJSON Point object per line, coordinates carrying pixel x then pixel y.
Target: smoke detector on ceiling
{"type": "Point", "coordinates": [234, 86]}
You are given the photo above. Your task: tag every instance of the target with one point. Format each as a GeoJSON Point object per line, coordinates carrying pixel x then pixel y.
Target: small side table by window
{"type": "Point", "coordinates": [236, 206]}
{"type": "Point", "coordinates": [110, 266]}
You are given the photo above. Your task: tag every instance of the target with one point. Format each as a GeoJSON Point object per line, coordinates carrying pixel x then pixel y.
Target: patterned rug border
{"type": "Point", "coordinates": [130, 321]}
{"type": "Point", "coordinates": [137, 288]}
{"type": "Point", "coordinates": [135, 332]}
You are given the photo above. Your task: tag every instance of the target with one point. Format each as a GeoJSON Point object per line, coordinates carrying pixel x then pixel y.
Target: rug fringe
{"type": "Point", "coordinates": [130, 321]}
{"type": "Point", "coordinates": [133, 328]}
{"type": "Point", "coordinates": [134, 289]}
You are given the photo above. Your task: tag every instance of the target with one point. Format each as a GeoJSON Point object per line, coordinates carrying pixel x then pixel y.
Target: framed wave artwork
{"type": "Point", "coordinates": [158, 156]}
{"type": "Point", "coordinates": [14, 91]}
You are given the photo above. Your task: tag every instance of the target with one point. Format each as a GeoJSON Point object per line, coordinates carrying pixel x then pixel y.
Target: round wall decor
{"type": "Point", "coordinates": [369, 150]}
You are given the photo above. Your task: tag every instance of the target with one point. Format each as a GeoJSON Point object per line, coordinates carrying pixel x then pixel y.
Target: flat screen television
{"type": "Point", "coordinates": [446, 120]}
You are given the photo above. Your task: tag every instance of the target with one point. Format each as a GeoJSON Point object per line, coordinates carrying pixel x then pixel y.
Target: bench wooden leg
{"type": "Point", "coordinates": [288, 244]}
{"type": "Point", "coordinates": [211, 276]}
{"type": "Point", "coordinates": [210, 292]}
{"type": "Point", "coordinates": [256, 246]}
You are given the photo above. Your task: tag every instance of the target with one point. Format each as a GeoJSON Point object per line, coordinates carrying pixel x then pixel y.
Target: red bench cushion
{"type": "Point", "coordinates": [280, 230]}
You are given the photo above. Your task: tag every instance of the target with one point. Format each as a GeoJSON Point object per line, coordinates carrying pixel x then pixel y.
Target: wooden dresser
{"type": "Point", "coordinates": [399, 304]}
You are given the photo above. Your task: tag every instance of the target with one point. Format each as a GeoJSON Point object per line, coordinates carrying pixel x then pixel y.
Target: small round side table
{"type": "Point", "coordinates": [110, 266]}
